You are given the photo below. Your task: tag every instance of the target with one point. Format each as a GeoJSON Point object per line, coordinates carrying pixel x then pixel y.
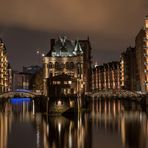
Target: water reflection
{"type": "Point", "coordinates": [108, 123]}
{"type": "Point", "coordinates": [123, 120]}
{"type": "Point", "coordinates": [62, 132]}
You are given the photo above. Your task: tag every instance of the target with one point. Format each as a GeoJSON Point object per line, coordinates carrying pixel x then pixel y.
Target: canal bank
{"type": "Point", "coordinates": [52, 106]}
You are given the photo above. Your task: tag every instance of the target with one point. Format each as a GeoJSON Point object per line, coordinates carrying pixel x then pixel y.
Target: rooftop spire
{"type": "Point", "coordinates": [78, 48]}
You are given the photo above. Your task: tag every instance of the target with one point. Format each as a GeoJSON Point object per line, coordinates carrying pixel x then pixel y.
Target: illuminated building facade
{"type": "Point", "coordinates": [33, 69]}
{"type": "Point", "coordinates": [67, 67]}
{"type": "Point", "coordinates": [21, 80]}
{"type": "Point", "coordinates": [106, 76]}
{"type": "Point", "coordinates": [128, 69]}
{"type": "Point", "coordinates": [142, 57]}
{"type": "Point", "coordinates": [10, 77]}
{"type": "Point", "coordinates": [3, 68]}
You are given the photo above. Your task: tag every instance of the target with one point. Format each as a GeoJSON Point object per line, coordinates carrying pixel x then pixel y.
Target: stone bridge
{"type": "Point", "coordinates": [14, 94]}
{"type": "Point", "coordinates": [116, 93]}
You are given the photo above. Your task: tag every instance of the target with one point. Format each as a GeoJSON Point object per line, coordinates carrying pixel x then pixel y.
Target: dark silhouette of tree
{"type": "Point", "coordinates": [37, 81]}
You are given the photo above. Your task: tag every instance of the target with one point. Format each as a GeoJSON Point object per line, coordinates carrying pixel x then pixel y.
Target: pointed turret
{"type": "Point", "coordinates": [63, 39]}
{"type": "Point", "coordinates": [78, 49]}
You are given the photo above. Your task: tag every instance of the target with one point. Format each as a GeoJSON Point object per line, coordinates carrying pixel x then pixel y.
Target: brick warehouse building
{"type": "Point", "coordinates": [5, 70]}
{"type": "Point", "coordinates": [67, 67]}
{"type": "Point", "coordinates": [128, 69]}
{"type": "Point", "coordinates": [141, 45]}
{"type": "Point", "coordinates": [134, 63]}
{"type": "Point", "coordinates": [106, 76]}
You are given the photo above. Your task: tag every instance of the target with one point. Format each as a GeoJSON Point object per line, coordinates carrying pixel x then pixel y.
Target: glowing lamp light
{"type": "Point", "coordinates": [69, 82]}
{"type": "Point", "coordinates": [38, 51]}
{"type": "Point", "coordinates": [43, 55]}
{"type": "Point", "coordinates": [96, 64]}
{"type": "Point", "coordinates": [19, 100]}
{"type": "Point", "coordinates": [59, 127]}
{"type": "Point", "coordinates": [59, 103]}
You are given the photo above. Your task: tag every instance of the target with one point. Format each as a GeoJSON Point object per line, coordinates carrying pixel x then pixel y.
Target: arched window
{"type": "Point", "coordinates": [57, 65]}
{"type": "Point", "coordinates": [50, 65]}
{"type": "Point", "coordinates": [71, 65]}
{"type": "Point", "coordinates": [61, 66]}
{"type": "Point", "coordinates": [78, 64]}
{"type": "Point", "coordinates": [67, 65]}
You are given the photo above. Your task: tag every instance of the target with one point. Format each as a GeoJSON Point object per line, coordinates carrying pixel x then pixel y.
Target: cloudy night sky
{"type": "Point", "coordinates": [27, 25]}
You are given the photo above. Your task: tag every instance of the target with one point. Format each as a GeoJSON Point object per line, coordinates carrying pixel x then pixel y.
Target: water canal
{"type": "Point", "coordinates": [106, 124]}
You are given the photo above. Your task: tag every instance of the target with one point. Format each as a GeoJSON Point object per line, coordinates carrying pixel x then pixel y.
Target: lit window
{"type": "Point", "coordinates": [59, 103]}
{"type": "Point", "coordinates": [65, 82]}
{"type": "Point", "coordinates": [69, 82]}
{"type": "Point", "coordinates": [50, 65]}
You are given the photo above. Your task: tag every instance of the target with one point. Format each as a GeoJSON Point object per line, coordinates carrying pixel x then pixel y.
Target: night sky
{"type": "Point", "coordinates": [27, 25]}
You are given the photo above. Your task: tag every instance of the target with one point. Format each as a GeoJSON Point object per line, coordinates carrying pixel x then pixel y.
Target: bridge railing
{"type": "Point", "coordinates": [18, 94]}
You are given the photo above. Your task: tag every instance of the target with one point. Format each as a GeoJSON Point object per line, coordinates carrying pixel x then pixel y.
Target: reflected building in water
{"type": "Point", "coordinates": [62, 132]}
{"type": "Point", "coordinates": [49, 132]}
{"type": "Point", "coordinates": [9, 115]}
{"type": "Point", "coordinates": [4, 126]}
{"type": "Point", "coordinates": [121, 124]}
{"type": "Point", "coordinates": [124, 119]}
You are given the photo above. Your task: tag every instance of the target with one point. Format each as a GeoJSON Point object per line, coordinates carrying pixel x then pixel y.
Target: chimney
{"type": "Point", "coordinates": [52, 43]}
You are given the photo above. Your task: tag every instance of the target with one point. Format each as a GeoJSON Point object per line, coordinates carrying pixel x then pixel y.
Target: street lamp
{"type": "Point", "coordinates": [38, 55]}
{"type": "Point", "coordinates": [43, 54]}
{"type": "Point", "coordinates": [37, 51]}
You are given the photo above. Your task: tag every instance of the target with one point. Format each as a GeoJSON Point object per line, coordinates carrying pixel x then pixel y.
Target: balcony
{"type": "Point", "coordinates": [145, 63]}
{"type": "Point", "coordinates": [145, 28]}
{"type": "Point", "coordinates": [145, 47]}
{"type": "Point", "coordinates": [146, 54]}
{"type": "Point", "coordinates": [145, 71]}
{"type": "Point", "coordinates": [146, 82]}
{"type": "Point", "coordinates": [145, 39]}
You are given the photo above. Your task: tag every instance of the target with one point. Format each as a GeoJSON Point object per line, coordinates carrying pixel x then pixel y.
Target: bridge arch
{"type": "Point", "coordinates": [14, 94]}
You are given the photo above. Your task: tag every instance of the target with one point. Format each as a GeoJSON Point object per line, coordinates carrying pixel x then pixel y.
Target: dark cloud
{"type": "Point", "coordinates": [111, 25]}
{"type": "Point", "coordinates": [78, 15]}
